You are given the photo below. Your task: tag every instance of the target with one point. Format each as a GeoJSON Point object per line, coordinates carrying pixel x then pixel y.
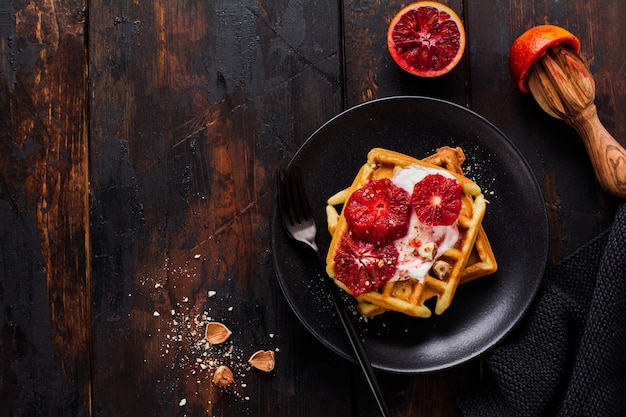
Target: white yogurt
{"type": "Point", "coordinates": [410, 263]}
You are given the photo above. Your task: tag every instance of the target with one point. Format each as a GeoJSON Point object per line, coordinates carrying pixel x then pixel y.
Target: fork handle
{"type": "Point", "coordinates": [355, 342]}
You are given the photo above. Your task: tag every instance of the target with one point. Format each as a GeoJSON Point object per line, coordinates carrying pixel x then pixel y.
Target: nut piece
{"type": "Point", "coordinates": [428, 250]}
{"type": "Point", "coordinates": [263, 360]}
{"type": "Point", "coordinates": [441, 268]}
{"type": "Point", "coordinates": [217, 333]}
{"type": "Point", "coordinates": [223, 376]}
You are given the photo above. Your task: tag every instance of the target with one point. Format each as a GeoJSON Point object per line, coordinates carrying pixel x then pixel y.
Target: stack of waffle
{"type": "Point", "coordinates": [471, 258]}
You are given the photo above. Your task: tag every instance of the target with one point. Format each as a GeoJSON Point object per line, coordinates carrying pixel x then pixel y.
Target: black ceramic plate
{"type": "Point", "coordinates": [483, 311]}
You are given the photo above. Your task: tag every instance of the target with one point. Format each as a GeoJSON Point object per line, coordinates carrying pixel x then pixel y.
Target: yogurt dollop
{"type": "Point", "coordinates": [410, 263]}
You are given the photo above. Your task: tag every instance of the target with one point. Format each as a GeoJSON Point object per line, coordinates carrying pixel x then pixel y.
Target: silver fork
{"type": "Point", "coordinates": [297, 218]}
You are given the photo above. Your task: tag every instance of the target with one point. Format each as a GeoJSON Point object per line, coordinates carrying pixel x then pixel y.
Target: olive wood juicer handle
{"type": "Point", "coordinates": [562, 85]}
{"type": "Point", "coordinates": [607, 155]}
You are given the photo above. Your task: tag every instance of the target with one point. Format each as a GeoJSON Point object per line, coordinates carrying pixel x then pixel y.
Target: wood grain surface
{"type": "Point", "coordinates": [139, 142]}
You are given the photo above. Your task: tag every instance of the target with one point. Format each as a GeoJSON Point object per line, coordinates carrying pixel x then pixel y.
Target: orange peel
{"type": "Point", "coordinates": [532, 45]}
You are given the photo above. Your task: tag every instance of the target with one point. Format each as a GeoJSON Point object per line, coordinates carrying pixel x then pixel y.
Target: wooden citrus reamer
{"type": "Point", "coordinates": [562, 85]}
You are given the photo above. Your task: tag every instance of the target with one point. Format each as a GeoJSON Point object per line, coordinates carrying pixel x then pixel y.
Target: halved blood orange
{"type": "Point", "coordinates": [426, 39]}
{"type": "Point", "coordinates": [532, 45]}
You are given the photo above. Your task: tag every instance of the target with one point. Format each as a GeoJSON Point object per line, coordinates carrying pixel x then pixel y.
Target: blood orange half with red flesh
{"type": "Point", "coordinates": [426, 39]}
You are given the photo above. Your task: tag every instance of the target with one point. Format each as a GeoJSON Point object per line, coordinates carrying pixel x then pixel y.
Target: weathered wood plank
{"type": "Point", "coordinates": [44, 245]}
{"type": "Point", "coordinates": [577, 208]}
{"type": "Point", "coordinates": [371, 73]}
{"type": "Point", "coordinates": [194, 107]}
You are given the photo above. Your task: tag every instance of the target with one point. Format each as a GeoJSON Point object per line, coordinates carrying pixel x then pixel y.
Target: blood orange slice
{"type": "Point", "coordinates": [364, 266]}
{"type": "Point", "coordinates": [437, 200]}
{"type": "Point", "coordinates": [532, 45]}
{"type": "Point", "coordinates": [426, 39]}
{"type": "Point", "coordinates": [379, 211]}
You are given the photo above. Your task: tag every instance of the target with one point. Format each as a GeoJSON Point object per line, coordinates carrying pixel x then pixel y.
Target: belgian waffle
{"type": "Point", "coordinates": [470, 259]}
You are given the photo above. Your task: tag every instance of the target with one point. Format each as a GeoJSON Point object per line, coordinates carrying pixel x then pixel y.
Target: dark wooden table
{"type": "Point", "coordinates": [139, 142]}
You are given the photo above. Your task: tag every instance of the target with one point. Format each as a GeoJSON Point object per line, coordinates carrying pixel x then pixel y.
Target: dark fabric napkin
{"type": "Point", "coordinates": [567, 357]}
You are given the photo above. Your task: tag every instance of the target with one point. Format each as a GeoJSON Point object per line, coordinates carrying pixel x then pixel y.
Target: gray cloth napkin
{"type": "Point", "coordinates": [567, 357]}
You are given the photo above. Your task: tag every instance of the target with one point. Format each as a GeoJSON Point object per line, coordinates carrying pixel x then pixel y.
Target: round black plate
{"type": "Point", "coordinates": [483, 311]}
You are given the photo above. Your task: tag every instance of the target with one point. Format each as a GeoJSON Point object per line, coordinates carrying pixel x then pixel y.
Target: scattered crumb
{"type": "Point", "coordinates": [184, 344]}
